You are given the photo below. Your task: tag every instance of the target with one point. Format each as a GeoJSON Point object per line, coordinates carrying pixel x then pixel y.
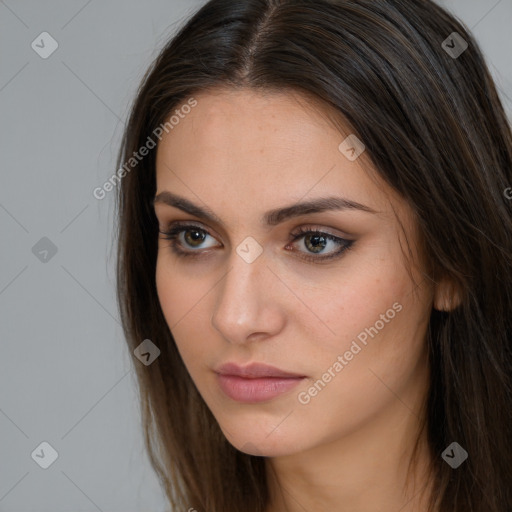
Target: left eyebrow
{"type": "Point", "coordinates": [320, 204]}
{"type": "Point", "coordinates": [272, 217]}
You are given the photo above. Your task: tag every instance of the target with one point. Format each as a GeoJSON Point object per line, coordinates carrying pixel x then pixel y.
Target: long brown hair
{"type": "Point", "coordinates": [435, 129]}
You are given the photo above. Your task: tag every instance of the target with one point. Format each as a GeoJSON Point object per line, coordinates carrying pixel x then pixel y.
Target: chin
{"type": "Point", "coordinates": [261, 443]}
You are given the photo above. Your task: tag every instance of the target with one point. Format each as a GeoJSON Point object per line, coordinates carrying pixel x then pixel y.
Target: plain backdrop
{"type": "Point", "coordinates": [66, 376]}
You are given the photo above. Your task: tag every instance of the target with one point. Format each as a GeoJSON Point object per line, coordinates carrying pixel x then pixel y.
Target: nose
{"type": "Point", "coordinates": [249, 303]}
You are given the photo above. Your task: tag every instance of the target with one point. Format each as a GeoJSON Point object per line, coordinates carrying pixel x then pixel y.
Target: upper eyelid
{"type": "Point", "coordinates": [344, 243]}
{"type": "Point", "coordinates": [311, 228]}
{"type": "Point", "coordinates": [184, 225]}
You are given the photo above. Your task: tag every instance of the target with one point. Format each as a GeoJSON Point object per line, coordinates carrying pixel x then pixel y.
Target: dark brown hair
{"type": "Point", "coordinates": [435, 129]}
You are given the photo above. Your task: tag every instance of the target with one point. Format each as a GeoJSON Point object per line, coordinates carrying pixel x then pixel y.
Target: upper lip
{"type": "Point", "coordinates": [254, 371]}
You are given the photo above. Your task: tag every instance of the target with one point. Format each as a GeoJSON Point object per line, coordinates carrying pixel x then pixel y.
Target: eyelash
{"type": "Point", "coordinates": [177, 228]}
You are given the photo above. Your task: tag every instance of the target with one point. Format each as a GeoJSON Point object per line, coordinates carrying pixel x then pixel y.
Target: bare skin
{"type": "Point", "coordinates": [345, 447]}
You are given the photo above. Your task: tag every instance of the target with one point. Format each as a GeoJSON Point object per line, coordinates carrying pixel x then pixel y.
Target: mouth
{"type": "Point", "coordinates": [256, 382]}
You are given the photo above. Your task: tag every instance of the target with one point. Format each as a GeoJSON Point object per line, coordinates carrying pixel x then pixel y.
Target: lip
{"type": "Point", "coordinates": [256, 382]}
{"type": "Point", "coordinates": [255, 371]}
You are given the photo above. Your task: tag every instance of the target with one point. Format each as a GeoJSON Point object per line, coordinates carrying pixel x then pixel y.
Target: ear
{"type": "Point", "coordinates": [446, 296]}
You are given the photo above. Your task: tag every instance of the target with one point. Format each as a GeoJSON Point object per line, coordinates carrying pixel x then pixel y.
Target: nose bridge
{"type": "Point", "coordinates": [241, 284]}
{"type": "Point", "coordinates": [243, 298]}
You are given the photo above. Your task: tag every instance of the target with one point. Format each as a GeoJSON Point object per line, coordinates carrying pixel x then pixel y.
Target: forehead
{"type": "Point", "coordinates": [261, 148]}
{"type": "Point", "coordinates": [259, 120]}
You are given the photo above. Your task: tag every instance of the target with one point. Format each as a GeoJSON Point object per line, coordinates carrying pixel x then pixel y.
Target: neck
{"type": "Point", "coordinates": [365, 471]}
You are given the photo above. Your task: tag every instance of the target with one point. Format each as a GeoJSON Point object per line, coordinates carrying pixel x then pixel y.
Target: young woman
{"type": "Point", "coordinates": [315, 235]}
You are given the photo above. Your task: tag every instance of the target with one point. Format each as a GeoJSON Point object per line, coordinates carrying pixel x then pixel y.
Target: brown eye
{"type": "Point", "coordinates": [315, 242]}
{"type": "Point", "coordinates": [188, 239]}
{"type": "Point", "coordinates": [319, 246]}
{"type": "Point", "coordinates": [194, 237]}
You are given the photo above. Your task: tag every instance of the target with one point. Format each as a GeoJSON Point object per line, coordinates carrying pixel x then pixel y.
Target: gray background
{"type": "Point", "coordinates": [65, 374]}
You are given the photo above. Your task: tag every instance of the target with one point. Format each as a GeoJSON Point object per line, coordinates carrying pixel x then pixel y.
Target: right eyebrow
{"type": "Point", "coordinates": [270, 218]}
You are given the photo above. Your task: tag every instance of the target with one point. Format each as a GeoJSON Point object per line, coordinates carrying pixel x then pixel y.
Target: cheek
{"type": "Point", "coordinates": [185, 298]}
{"type": "Point", "coordinates": [167, 286]}
{"type": "Point", "coordinates": [377, 321]}
{"type": "Point", "coordinates": [352, 380]}
{"type": "Point", "coordinates": [355, 300]}
{"type": "Point", "coordinates": [179, 292]}
{"type": "Point", "coordinates": [182, 299]}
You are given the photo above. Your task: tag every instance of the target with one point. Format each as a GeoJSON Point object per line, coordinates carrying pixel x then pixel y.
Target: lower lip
{"type": "Point", "coordinates": [256, 390]}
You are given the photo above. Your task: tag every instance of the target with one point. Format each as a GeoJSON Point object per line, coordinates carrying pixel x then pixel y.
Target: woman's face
{"type": "Point", "coordinates": [336, 308]}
